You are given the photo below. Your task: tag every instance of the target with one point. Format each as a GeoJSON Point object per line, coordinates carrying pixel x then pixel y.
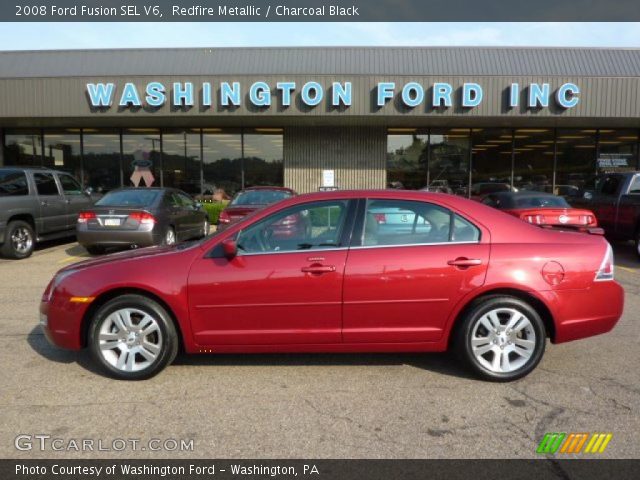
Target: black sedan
{"type": "Point", "coordinates": [141, 217]}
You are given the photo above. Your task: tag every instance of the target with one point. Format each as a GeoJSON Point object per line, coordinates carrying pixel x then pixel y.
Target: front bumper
{"type": "Point", "coordinates": [61, 322]}
{"type": "Point", "coordinates": [587, 312]}
{"type": "Point", "coordinates": [119, 238]}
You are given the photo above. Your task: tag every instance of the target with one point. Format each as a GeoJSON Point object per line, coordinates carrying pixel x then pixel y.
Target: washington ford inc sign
{"type": "Point", "coordinates": [339, 94]}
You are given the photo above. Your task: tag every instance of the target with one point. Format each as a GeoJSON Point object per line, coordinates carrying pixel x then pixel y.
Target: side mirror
{"type": "Point", "coordinates": [88, 191]}
{"type": "Point", "coordinates": [197, 206]}
{"type": "Point", "coordinates": [229, 248]}
{"type": "Point", "coordinates": [587, 195]}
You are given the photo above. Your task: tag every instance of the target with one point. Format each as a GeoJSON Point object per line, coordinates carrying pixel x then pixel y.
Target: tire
{"type": "Point", "coordinates": [508, 355]}
{"type": "Point", "coordinates": [94, 249]}
{"type": "Point", "coordinates": [169, 237]}
{"type": "Point", "coordinates": [636, 241]}
{"type": "Point", "coordinates": [19, 241]}
{"type": "Point", "coordinates": [205, 227]}
{"type": "Point", "coordinates": [118, 343]}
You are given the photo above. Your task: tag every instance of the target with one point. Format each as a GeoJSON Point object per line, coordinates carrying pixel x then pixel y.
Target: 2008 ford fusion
{"type": "Point", "coordinates": [374, 271]}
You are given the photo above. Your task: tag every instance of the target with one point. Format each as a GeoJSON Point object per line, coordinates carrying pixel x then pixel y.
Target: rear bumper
{"type": "Point", "coordinates": [116, 238]}
{"type": "Point", "coordinates": [585, 313]}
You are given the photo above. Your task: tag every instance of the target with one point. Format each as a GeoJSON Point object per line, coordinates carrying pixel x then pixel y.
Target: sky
{"type": "Point", "coordinates": [40, 36]}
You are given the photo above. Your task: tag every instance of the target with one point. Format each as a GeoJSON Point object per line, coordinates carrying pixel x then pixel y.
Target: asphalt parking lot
{"type": "Point", "coordinates": [311, 406]}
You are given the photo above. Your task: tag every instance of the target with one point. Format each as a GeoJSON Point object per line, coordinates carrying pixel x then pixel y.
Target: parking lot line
{"type": "Point", "coordinates": [70, 259]}
{"type": "Point", "coordinates": [627, 269]}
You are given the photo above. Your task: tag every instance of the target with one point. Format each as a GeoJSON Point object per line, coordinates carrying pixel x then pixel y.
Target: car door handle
{"type": "Point", "coordinates": [318, 269]}
{"type": "Point", "coordinates": [465, 262]}
{"type": "Point", "coordinates": [43, 203]}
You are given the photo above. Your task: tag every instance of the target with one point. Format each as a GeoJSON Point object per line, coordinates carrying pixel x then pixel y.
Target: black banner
{"type": "Point", "coordinates": [320, 11]}
{"type": "Point", "coordinates": [318, 469]}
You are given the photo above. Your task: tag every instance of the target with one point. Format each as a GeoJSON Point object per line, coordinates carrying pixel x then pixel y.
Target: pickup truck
{"type": "Point", "coordinates": [616, 205]}
{"type": "Point", "coordinates": [37, 204]}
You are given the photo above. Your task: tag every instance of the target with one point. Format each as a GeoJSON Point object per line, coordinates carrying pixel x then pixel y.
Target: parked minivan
{"type": "Point", "coordinates": [37, 204]}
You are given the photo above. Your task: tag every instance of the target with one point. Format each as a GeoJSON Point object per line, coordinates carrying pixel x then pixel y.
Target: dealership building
{"type": "Point", "coordinates": [314, 118]}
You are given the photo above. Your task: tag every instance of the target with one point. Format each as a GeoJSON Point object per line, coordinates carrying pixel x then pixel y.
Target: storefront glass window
{"type": "Point", "coordinates": [62, 151]}
{"type": "Point", "coordinates": [23, 147]}
{"type": "Point", "coordinates": [491, 155]}
{"type": "Point", "coordinates": [263, 157]}
{"type": "Point", "coordinates": [222, 162]}
{"type": "Point", "coordinates": [181, 160]}
{"type": "Point", "coordinates": [533, 159]}
{"type": "Point", "coordinates": [101, 159]}
{"type": "Point", "coordinates": [407, 159]}
{"type": "Point", "coordinates": [449, 159]}
{"type": "Point", "coordinates": [617, 151]}
{"type": "Point", "coordinates": [576, 160]}
{"type": "Point", "coordinates": [141, 157]}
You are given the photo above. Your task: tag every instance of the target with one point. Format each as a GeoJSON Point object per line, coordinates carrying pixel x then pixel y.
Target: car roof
{"type": "Point", "coordinates": [32, 168]}
{"type": "Point", "coordinates": [523, 194]}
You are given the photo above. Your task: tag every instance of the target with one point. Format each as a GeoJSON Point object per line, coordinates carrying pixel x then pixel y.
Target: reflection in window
{"type": "Point", "coordinates": [101, 158]}
{"type": "Point", "coordinates": [222, 158]}
{"type": "Point", "coordinates": [23, 148]}
{"type": "Point", "coordinates": [491, 153]}
{"type": "Point", "coordinates": [449, 159]}
{"type": "Point", "coordinates": [141, 156]}
{"type": "Point", "coordinates": [618, 151]}
{"type": "Point", "coordinates": [62, 151]}
{"type": "Point", "coordinates": [407, 161]}
{"type": "Point", "coordinates": [533, 164]}
{"type": "Point", "coordinates": [181, 160]}
{"type": "Point", "coordinates": [576, 159]}
{"type": "Point", "coordinates": [263, 157]}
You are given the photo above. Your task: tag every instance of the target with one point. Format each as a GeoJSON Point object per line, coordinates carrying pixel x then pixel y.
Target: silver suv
{"type": "Point", "coordinates": [37, 204]}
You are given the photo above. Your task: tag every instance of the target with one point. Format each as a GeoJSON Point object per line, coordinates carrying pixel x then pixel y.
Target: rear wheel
{"type": "Point", "coordinates": [169, 237]}
{"type": "Point", "coordinates": [637, 242]}
{"type": "Point", "coordinates": [19, 240]}
{"type": "Point", "coordinates": [132, 337]}
{"type": "Point", "coordinates": [501, 338]}
{"type": "Point", "coordinates": [205, 228]}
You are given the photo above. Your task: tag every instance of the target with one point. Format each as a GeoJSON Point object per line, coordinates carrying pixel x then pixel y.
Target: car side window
{"type": "Point", "coordinates": [635, 185]}
{"type": "Point", "coordinates": [13, 183]}
{"type": "Point", "coordinates": [317, 225]}
{"type": "Point", "coordinates": [185, 201]}
{"type": "Point", "coordinates": [46, 184]}
{"type": "Point", "coordinates": [403, 222]}
{"type": "Point", "coordinates": [69, 185]}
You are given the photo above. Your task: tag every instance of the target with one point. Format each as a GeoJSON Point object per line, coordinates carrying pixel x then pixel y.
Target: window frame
{"type": "Point", "coordinates": [55, 182]}
{"type": "Point", "coordinates": [358, 232]}
{"type": "Point", "coordinates": [345, 235]}
{"type": "Point", "coordinates": [79, 191]}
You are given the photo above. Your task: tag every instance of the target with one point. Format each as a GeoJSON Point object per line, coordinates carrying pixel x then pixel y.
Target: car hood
{"type": "Point", "coordinates": [141, 253]}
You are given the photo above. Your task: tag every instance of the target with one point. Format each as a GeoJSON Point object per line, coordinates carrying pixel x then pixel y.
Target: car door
{"type": "Point", "coordinates": [174, 214]}
{"type": "Point", "coordinates": [284, 286]}
{"type": "Point", "coordinates": [400, 285]}
{"type": "Point", "coordinates": [76, 200]}
{"type": "Point", "coordinates": [606, 202]}
{"type": "Point", "coordinates": [53, 209]}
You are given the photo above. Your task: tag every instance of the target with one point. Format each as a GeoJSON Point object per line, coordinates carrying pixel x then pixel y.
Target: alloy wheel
{"type": "Point", "coordinates": [170, 237]}
{"type": "Point", "coordinates": [503, 340]}
{"type": "Point", "coordinates": [21, 240]}
{"type": "Point", "coordinates": [130, 339]}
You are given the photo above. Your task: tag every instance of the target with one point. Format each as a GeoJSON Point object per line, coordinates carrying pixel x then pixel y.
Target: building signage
{"type": "Point", "coordinates": [312, 94]}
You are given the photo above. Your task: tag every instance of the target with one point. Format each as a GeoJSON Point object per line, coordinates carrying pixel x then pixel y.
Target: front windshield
{"type": "Point", "coordinates": [259, 197]}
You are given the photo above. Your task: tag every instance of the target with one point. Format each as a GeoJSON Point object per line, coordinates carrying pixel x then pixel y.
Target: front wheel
{"type": "Point", "coordinates": [132, 337]}
{"type": "Point", "coordinates": [637, 242]}
{"type": "Point", "coordinates": [169, 237]}
{"type": "Point", "coordinates": [501, 338]}
{"type": "Point", "coordinates": [19, 240]}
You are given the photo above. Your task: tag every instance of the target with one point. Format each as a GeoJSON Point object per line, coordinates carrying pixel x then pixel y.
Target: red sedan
{"type": "Point", "coordinates": [249, 200]}
{"type": "Point", "coordinates": [544, 209]}
{"type": "Point", "coordinates": [459, 275]}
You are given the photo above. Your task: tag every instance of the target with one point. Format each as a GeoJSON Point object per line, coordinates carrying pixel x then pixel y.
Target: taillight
{"type": "Point", "coordinates": [380, 218]}
{"type": "Point", "coordinates": [588, 220]}
{"type": "Point", "coordinates": [144, 218]}
{"type": "Point", "coordinates": [605, 272]}
{"type": "Point", "coordinates": [224, 217]}
{"type": "Point", "coordinates": [535, 219]}
{"type": "Point", "coordinates": [84, 217]}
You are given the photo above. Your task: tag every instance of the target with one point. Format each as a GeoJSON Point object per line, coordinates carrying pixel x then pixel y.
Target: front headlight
{"type": "Point", "coordinates": [57, 280]}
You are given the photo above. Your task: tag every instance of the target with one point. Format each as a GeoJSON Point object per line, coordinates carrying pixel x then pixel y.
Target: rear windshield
{"type": "Point", "coordinates": [259, 197]}
{"type": "Point", "coordinates": [535, 201]}
{"type": "Point", "coordinates": [13, 183]}
{"type": "Point", "coordinates": [129, 198]}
